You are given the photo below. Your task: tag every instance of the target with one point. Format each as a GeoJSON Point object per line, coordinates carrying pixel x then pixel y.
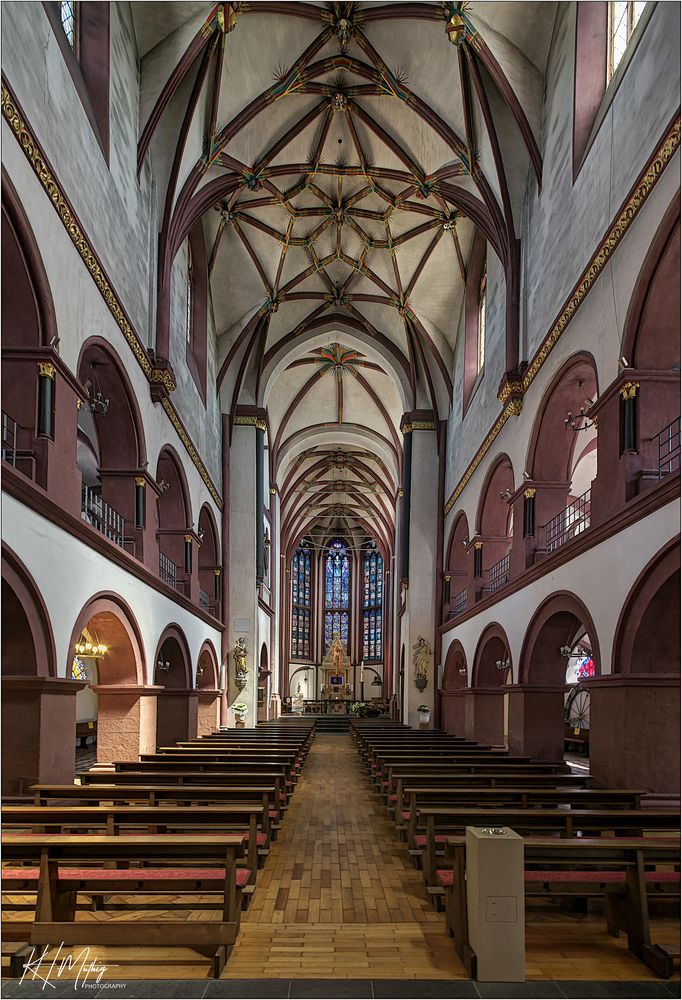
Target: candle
{"type": "Point", "coordinates": [362, 671]}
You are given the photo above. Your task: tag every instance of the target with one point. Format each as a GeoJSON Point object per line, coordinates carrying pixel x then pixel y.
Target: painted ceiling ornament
{"type": "Point", "coordinates": [343, 31]}
{"type": "Point", "coordinates": [227, 16]}
{"type": "Point", "coordinates": [425, 190]}
{"type": "Point", "coordinates": [339, 101]}
{"type": "Point", "coordinates": [450, 223]}
{"type": "Point", "coordinates": [339, 359]}
{"type": "Point", "coordinates": [456, 27]}
{"type": "Point", "coordinates": [252, 181]}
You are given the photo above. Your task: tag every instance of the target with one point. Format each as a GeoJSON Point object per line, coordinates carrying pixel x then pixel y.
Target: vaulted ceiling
{"type": "Point", "coordinates": [339, 158]}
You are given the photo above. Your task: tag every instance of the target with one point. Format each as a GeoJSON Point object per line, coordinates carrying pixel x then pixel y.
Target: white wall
{"type": "Point", "coordinates": [68, 573]}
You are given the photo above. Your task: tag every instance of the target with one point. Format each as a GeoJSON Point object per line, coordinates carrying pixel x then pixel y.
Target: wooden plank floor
{"type": "Point", "coordinates": [338, 899]}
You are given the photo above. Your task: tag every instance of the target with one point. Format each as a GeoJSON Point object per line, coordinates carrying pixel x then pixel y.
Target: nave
{"type": "Point", "coordinates": [341, 391]}
{"type": "Point", "coordinates": [338, 897]}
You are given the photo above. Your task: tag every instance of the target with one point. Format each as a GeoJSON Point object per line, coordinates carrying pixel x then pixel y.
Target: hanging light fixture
{"type": "Point", "coordinates": [163, 666]}
{"type": "Point", "coordinates": [580, 421]}
{"type": "Point", "coordinates": [91, 650]}
{"type": "Point", "coordinates": [97, 403]}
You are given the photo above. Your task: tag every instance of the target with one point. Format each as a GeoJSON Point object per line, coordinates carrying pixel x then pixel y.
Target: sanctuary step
{"type": "Point", "coordinates": [332, 723]}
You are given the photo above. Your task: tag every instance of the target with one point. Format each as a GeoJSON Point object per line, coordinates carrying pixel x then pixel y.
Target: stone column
{"type": "Point", "coordinates": [453, 711]}
{"type": "Point", "coordinates": [535, 714]}
{"type": "Point", "coordinates": [243, 536]}
{"type": "Point", "coordinates": [126, 721]}
{"type": "Point", "coordinates": [420, 539]}
{"type": "Point", "coordinates": [176, 715]}
{"type": "Point", "coordinates": [38, 732]}
{"type": "Point", "coordinates": [208, 711]}
{"type": "Point", "coordinates": [484, 715]}
{"type": "Point", "coordinates": [635, 731]}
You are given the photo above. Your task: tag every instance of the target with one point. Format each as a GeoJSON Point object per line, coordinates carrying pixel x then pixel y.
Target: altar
{"type": "Point", "coordinates": [336, 680]}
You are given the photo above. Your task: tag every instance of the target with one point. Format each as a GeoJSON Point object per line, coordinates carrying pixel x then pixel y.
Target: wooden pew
{"type": "Point", "coordinates": [246, 818]}
{"type": "Point", "coordinates": [525, 797]}
{"type": "Point", "coordinates": [58, 868]}
{"type": "Point", "coordinates": [617, 869]}
{"type": "Point", "coordinates": [178, 767]}
{"type": "Point", "coordinates": [266, 793]}
{"type": "Point", "coordinates": [444, 821]}
{"type": "Point", "coordinates": [385, 779]}
{"type": "Point", "coordinates": [485, 774]}
{"type": "Point", "coordinates": [434, 777]}
{"type": "Point", "coordinates": [148, 776]}
{"type": "Point", "coordinates": [372, 754]}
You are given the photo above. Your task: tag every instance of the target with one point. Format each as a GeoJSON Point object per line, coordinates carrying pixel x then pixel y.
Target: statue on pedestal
{"type": "Point", "coordinates": [422, 658]}
{"type": "Point", "coordinates": [240, 668]}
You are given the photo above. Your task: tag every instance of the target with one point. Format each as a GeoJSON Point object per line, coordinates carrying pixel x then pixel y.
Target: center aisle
{"type": "Point", "coordinates": [338, 898]}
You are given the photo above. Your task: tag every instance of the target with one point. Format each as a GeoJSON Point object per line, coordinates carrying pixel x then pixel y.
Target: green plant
{"type": "Point", "coordinates": [239, 708]}
{"type": "Point", "coordinates": [424, 708]}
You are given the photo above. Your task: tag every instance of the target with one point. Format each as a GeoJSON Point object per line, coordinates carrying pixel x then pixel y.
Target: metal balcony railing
{"type": "Point", "coordinates": [668, 443]}
{"type": "Point", "coordinates": [10, 432]}
{"type": "Point", "coordinates": [205, 601]}
{"type": "Point", "coordinates": [460, 602]}
{"type": "Point", "coordinates": [568, 523]}
{"type": "Point", "coordinates": [102, 516]}
{"type": "Point", "coordinates": [498, 574]}
{"type": "Point", "coordinates": [168, 571]}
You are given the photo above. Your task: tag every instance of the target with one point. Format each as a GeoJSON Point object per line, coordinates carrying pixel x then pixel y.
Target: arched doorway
{"type": "Point", "coordinates": [34, 746]}
{"type": "Point", "coordinates": [456, 589]}
{"type": "Point", "coordinates": [485, 704]}
{"type": "Point", "coordinates": [263, 684]}
{"type": "Point", "coordinates": [176, 711]}
{"type": "Point", "coordinates": [208, 686]}
{"type": "Point", "coordinates": [562, 456]}
{"type": "Point", "coordinates": [110, 448]}
{"type": "Point", "coordinates": [174, 523]}
{"type": "Point", "coordinates": [210, 569]}
{"type": "Point", "coordinates": [560, 651]}
{"type": "Point", "coordinates": [648, 633]}
{"type": "Point", "coordinates": [494, 525]}
{"type": "Point", "coordinates": [454, 685]}
{"type": "Point", "coordinates": [28, 323]}
{"type": "Point", "coordinates": [401, 683]}
{"type": "Point", "coordinates": [636, 709]}
{"type": "Point", "coordinates": [107, 654]}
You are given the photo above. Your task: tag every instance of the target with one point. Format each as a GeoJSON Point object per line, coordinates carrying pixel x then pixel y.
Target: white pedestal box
{"type": "Point", "coordinates": [496, 903]}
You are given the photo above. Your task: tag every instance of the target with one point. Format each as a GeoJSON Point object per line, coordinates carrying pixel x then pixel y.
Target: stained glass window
{"type": "Point", "coordinates": [300, 604]}
{"type": "Point", "coordinates": [189, 296]}
{"type": "Point", "coordinates": [623, 18]}
{"type": "Point", "coordinates": [372, 604]}
{"type": "Point", "coordinates": [78, 670]}
{"type": "Point", "coordinates": [68, 15]}
{"type": "Point", "coordinates": [336, 592]}
{"type": "Point", "coordinates": [480, 347]}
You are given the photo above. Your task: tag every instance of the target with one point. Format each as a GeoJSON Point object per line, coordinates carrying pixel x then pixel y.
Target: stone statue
{"type": "Point", "coordinates": [422, 657]}
{"type": "Point", "coordinates": [239, 657]}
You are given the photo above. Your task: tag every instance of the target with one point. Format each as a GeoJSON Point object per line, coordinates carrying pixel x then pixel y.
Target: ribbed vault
{"type": "Point", "coordinates": [340, 158]}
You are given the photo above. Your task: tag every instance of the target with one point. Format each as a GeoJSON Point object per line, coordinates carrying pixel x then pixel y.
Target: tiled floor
{"type": "Point", "coordinates": [338, 900]}
{"type": "Point", "coordinates": [383, 989]}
